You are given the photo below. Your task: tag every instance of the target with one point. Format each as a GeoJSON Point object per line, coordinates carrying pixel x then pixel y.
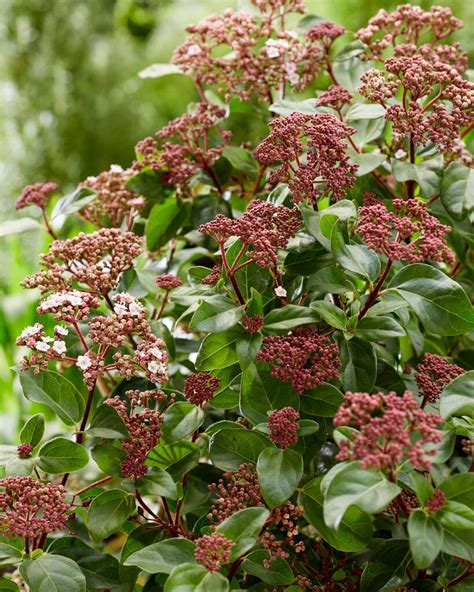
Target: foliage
{"type": "Point", "coordinates": [255, 371]}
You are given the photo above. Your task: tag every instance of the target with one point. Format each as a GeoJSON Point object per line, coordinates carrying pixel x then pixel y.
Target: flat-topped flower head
{"type": "Point", "coordinates": [114, 200]}
{"type": "Point", "coordinates": [31, 508]}
{"type": "Point", "coordinates": [95, 260]}
{"type": "Point", "coordinates": [304, 358]}
{"type": "Point", "coordinates": [199, 388]}
{"type": "Point", "coordinates": [37, 194]}
{"type": "Point", "coordinates": [213, 551]}
{"type": "Point", "coordinates": [68, 305]}
{"type": "Point", "coordinates": [168, 281]}
{"type": "Point", "coordinates": [433, 374]}
{"type": "Point", "coordinates": [283, 425]}
{"type": "Point", "coordinates": [392, 430]}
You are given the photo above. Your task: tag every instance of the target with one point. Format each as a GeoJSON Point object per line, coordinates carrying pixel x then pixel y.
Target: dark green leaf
{"type": "Point", "coordinates": [157, 482]}
{"type": "Point", "coordinates": [359, 365]}
{"type": "Point", "coordinates": [241, 159]}
{"type": "Point", "coordinates": [180, 420]}
{"type": "Point", "coordinates": [379, 328]}
{"type": "Point", "coordinates": [426, 538]}
{"type": "Point", "coordinates": [60, 455]}
{"type": "Point", "coordinates": [165, 219]}
{"type": "Point", "coordinates": [276, 573]}
{"type": "Point", "coordinates": [218, 351]}
{"type": "Point", "coordinates": [330, 313]}
{"type": "Point", "coordinates": [108, 512]}
{"type": "Point", "coordinates": [322, 401]}
{"type": "Point", "coordinates": [386, 567]}
{"type": "Point", "coordinates": [288, 317]}
{"type": "Point", "coordinates": [164, 556]}
{"type": "Point", "coordinates": [107, 423]}
{"type": "Point", "coordinates": [279, 473]}
{"type": "Point", "coordinates": [216, 317]}
{"type": "Point", "coordinates": [53, 573]}
{"type": "Point", "coordinates": [33, 430]}
{"type": "Point", "coordinates": [243, 528]}
{"type": "Point", "coordinates": [458, 397]}
{"type": "Point", "coordinates": [230, 448]}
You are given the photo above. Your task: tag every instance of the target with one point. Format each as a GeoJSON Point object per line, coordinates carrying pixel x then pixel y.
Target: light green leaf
{"type": "Point", "coordinates": [53, 573]}
{"type": "Point", "coordinates": [108, 512]}
{"type": "Point", "coordinates": [194, 578]}
{"type": "Point", "coordinates": [60, 455]}
{"type": "Point", "coordinates": [33, 430]}
{"type": "Point", "coordinates": [457, 190]}
{"type": "Point", "coordinates": [330, 313]}
{"type": "Point", "coordinates": [180, 420]}
{"type": "Point", "coordinates": [73, 202]}
{"type": "Point", "coordinates": [164, 221]}
{"type": "Point", "coordinates": [457, 397]}
{"type": "Point", "coordinates": [160, 70]}
{"type": "Point", "coordinates": [426, 538]}
{"type": "Point", "coordinates": [217, 351]}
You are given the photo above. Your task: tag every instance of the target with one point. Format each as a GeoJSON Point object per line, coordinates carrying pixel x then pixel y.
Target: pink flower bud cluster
{"type": "Point", "coordinates": [44, 349]}
{"type": "Point", "coordinates": [252, 324]}
{"type": "Point", "coordinates": [184, 146]}
{"type": "Point", "coordinates": [150, 357]}
{"type": "Point", "coordinates": [260, 58]}
{"type": "Point", "coordinates": [240, 489]}
{"type": "Point", "coordinates": [263, 228]}
{"type": "Point", "coordinates": [95, 260]}
{"type": "Point", "coordinates": [304, 358]}
{"type": "Point", "coordinates": [392, 429]}
{"type": "Point", "coordinates": [433, 374]}
{"type": "Point", "coordinates": [405, 502]}
{"type": "Point", "coordinates": [391, 233]}
{"type": "Point", "coordinates": [30, 508]}
{"type": "Point", "coordinates": [312, 153]}
{"type": "Point", "coordinates": [335, 96]}
{"type": "Point", "coordinates": [24, 450]}
{"type": "Point", "coordinates": [407, 30]}
{"type": "Point", "coordinates": [326, 32]}
{"type": "Point", "coordinates": [168, 281]}
{"type": "Point", "coordinates": [199, 388]}
{"type": "Point", "coordinates": [437, 501]}
{"type": "Point", "coordinates": [114, 201]}
{"type": "Point", "coordinates": [144, 427]}
{"type": "Point", "coordinates": [213, 277]}
{"type": "Point", "coordinates": [213, 551]}
{"type": "Point", "coordinates": [68, 305]}
{"type": "Point", "coordinates": [283, 425]}
{"type": "Point", "coordinates": [36, 194]}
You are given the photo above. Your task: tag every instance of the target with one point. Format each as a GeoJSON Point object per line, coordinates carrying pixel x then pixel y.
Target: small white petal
{"type": "Point", "coordinates": [280, 292]}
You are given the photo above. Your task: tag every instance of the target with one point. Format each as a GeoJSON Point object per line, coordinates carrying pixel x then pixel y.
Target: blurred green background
{"type": "Point", "coordinates": [71, 104]}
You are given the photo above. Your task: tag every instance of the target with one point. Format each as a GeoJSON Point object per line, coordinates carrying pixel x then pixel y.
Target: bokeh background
{"type": "Point", "coordinates": [71, 104]}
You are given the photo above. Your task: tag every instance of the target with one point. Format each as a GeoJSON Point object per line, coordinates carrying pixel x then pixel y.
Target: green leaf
{"type": "Point", "coordinates": [330, 313]}
{"type": "Point", "coordinates": [108, 512]}
{"type": "Point", "coordinates": [355, 530]}
{"type": "Point", "coordinates": [160, 70]}
{"type": "Point", "coordinates": [364, 111]}
{"type": "Point", "coordinates": [73, 202]}
{"type": "Point", "coordinates": [359, 365]}
{"type": "Point", "coordinates": [194, 578]}
{"type": "Point", "coordinates": [247, 348]}
{"type": "Point", "coordinates": [427, 174]}
{"type": "Point", "coordinates": [379, 328]}
{"type": "Point", "coordinates": [8, 585]}
{"type": "Point", "coordinates": [457, 397]}
{"type": "Point", "coordinates": [165, 219]}
{"type": "Point", "coordinates": [357, 258]}
{"type": "Point", "coordinates": [426, 538]}
{"type": "Point", "coordinates": [285, 107]}
{"type": "Point", "coordinates": [459, 488]}
{"type": "Point", "coordinates": [368, 161]}
{"type": "Point", "coordinates": [455, 516]}
{"type": "Point", "coordinates": [108, 458]}
{"type": "Point", "coordinates": [439, 302]}
{"type": "Point", "coordinates": [386, 566]}
{"type": "Point", "coordinates": [177, 457]}
{"type": "Point", "coordinates": [457, 190]}
{"type": "Point", "coordinates": [53, 573]}
{"type": "Point", "coordinates": [230, 448]}
{"type": "Point", "coordinates": [164, 556]}
{"type": "Point", "coordinates": [217, 351]}
{"type": "Point", "coordinates": [25, 224]}
{"type": "Point", "coordinates": [216, 317]}
{"type": "Point", "coordinates": [180, 420]}
{"type": "Point", "coordinates": [322, 401]}
{"type": "Point", "coordinates": [330, 280]}
{"type": "Point", "coordinates": [288, 317]}
{"type": "Point", "coordinates": [52, 389]}
{"type": "Point", "coordinates": [421, 486]}
{"type": "Point", "coordinates": [107, 423]}
{"type": "Point", "coordinates": [9, 555]}
{"type": "Point", "coordinates": [243, 527]}
{"type": "Point", "coordinates": [60, 455]}
{"type": "Point", "coordinates": [277, 573]}
{"type": "Point", "coordinates": [459, 542]}
{"type": "Point", "coordinates": [148, 183]}
{"type": "Point", "coordinates": [241, 159]}
{"type": "Point", "coordinates": [157, 482]}
{"type": "Point", "coordinates": [279, 473]}
{"type": "Point", "coordinates": [261, 393]}
{"type": "Point", "coordinates": [348, 485]}
{"type": "Point", "coordinates": [33, 430]}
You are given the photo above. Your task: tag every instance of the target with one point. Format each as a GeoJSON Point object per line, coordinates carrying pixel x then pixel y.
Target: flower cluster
{"type": "Point", "coordinates": [95, 260]}
{"type": "Point", "coordinates": [260, 58]}
{"type": "Point", "coordinates": [36, 194]}
{"type": "Point", "coordinates": [213, 277]}
{"type": "Point", "coordinates": [406, 501]}
{"type": "Point", "coordinates": [30, 508]}
{"type": "Point", "coordinates": [184, 146]}
{"type": "Point", "coordinates": [199, 388]}
{"type": "Point", "coordinates": [390, 232]}
{"type": "Point", "coordinates": [335, 96]}
{"type": "Point", "coordinates": [44, 348]}
{"type": "Point", "coordinates": [24, 450]}
{"type": "Point", "coordinates": [150, 357]}
{"type": "Point", "coordinates": [392, 429]}
{"type": "Point", "coordinates": [283, 426]}
{"type": "Point", "coordinates": [68, 305]}
{"type": "Point", "coordinates": [263, 229]}
{"type": "Point", "coordinates": [322, 169]}
{"type": "Point", "coordinates": [404, 29]}
{"type": "Point", "coordinates": [168, 281]}
{"type": "Point", "coordinates": [304, 358]}
{"type": "Point", "coordinates": [114, 201]}
{"type": "Point", "coordinates": [252, 324]}
{"type": "Point", "coordinates": [213, 551]}
{"type": "Point", "coordinates": [437, 501]}
{"type": "Point", "coordinates": [240, 489]}
{"type": "Point", "coordinates": [433, 374]}
{"type": "Point", "coordinates": [143, 424]}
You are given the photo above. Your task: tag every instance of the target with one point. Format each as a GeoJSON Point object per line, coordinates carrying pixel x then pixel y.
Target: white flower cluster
{"type": "Point", "coordinates": [275, 47]}
{"type": "Point", "coordinates": [69, 298]}
{"type": "Point", "coordinates": [127, 305]}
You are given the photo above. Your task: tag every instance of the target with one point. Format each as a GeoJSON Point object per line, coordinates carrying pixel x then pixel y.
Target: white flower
{"type": "Point", "coordinates": [116, 168]}
{"type": "Point", "coordinates": [120, 309]}
{"type": "Point", "coordinates": [292, 34]}
{"type": "Point", "coordinates": [61, 330]}
{"type": "Point", "coordinates": [400, 154]}
{"type": "Point", "coordinates": [31, 330]}
{"type": "Point", "coordinates": [291, 70]}
{"type": "Point", "coordinates": [194, 50]}
{"type": "Point", "coordinates": [280, 292]}
{"type": "Point", "coordinates": [41, 346]}
{"type": "Point", "coordinates": [83, 362]}
{"type": "Point", "coordinates": [59, 347]}
{"type": "Point", "coordinates": [135, 308]}
{"type": "Point", "coordinates": [156, 353]}
{"type": "Point", "coordinates": [154, 367]}
{"type": "Point", "coordinates": [47, 339]}
{"type": "Point", "coordinates": [273, 52]}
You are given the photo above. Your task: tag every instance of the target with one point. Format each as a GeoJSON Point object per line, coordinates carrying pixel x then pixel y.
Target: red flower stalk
{"type": "Point", "coordinates": [325, 168]}
{"type": "Point", "coordinates": [304, 358]}
{"type": "Point", "coordinates": [283, 426]}
{"type": "Point", "coordinates": [392, 429]}
{"type": "Point", "coordinates": [213, 551]}
{"type": "Point", "coordinates": [199, 388]}
{"type": "Point", "coordinates": [30, 508]}
{"type": "Point", "coordinates": [433, 374]}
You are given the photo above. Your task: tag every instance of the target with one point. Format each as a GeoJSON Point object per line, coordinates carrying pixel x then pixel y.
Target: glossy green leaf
{"type": "Point", "coordinates": [108, 512]}
{"type": "Point", "coordinates": [230, 448]}
{"type": "Point", "coordinates": [181, 420]}
{"type": "Point", "coordinates": [288, 317]}
{"type": "Point", "coordinates": [330, 313]}
{"type": "Point", "coordinates": [322, 401]}
{"type": "Point", "coordinates": [458, 397]}
{"type": "Point", "coordinates": [107, 423]}
{"type": "Point", "coordinates": [157, 482]}
{"type": "Point", "coordinates": [33, 430]}
{"type": "Point", "coordinates": [359, 365]}
{"type": "Point", "coordinates": [60, 455]}
{"type": "Point", "coordinates": [426, 538]}
{"type": "Point", "coordinates": [279, 473]}
{"type": "Point", "coordinates": [53, 573]}
{"type": "Point", "coordinates": [386, 566]}
{"type": "Point", "coordinates": [459, 488]}
{"type": "Point", "coordinates": [218, 351]}
{"type": "Point", "coordinates": [216, 317]}
{"type": "Point", "coordinates": [276, 573]}
{"type": "Point", "coordinates": [194, 578]}
{"type": "Point", "coordinates": [379, 328]}
{"type": "Point", "coordinates": [241, 159]}
{"type": "Point", "coordinates": [243, 528]}
{"type": "Point", "coordinates": [356, 258]}
{"type": "Point", "coordinates": [164, 556]}
{"type": "Point", "coordinates": [164, 222]}
{"type": "Point", "coordinates": [457, 190]}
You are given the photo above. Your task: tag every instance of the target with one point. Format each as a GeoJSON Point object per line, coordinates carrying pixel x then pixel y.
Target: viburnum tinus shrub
{"type": "Point", "coordinates": [255, 370]}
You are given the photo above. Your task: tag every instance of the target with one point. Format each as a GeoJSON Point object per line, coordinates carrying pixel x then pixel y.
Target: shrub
{"type": "Point", "coordinates": [255, 369]}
